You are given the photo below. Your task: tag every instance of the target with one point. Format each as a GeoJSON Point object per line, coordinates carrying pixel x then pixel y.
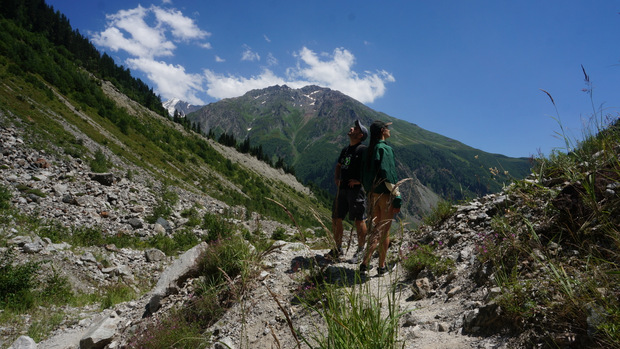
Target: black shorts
{"type": "Point", "coordinates": [351, 201]}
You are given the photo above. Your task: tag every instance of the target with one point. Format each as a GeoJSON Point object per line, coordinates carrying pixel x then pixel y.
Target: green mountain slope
{"type": "Point", "coordinates": [307, 128]}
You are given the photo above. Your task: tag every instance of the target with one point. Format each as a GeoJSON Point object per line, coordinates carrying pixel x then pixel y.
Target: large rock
{"type": "Point", "coordinates": [101, 333]}
{"type": "Point", "coordinates": [24, 342]}
{"type": "Point", "coordinates": [184, 267]}
{"type": "Point", "coordinates": [103, 178]}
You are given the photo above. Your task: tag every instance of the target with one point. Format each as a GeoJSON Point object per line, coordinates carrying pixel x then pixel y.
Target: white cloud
{"type": "Point", "coordinates": [129, 31]}
{"type": "Point", "coordinates": [126, 30]}
{"type": "Point", "coordinates": [147, 34]}
{"type": "Point", "coordinates": [171, 80]}
{"type": "Point", "coordinates": [183, 28]}
{"type": "Point", "coordinates": [335, 72]}
{"type": "Point", "coordinates": [271, 59]}
{"type": "Point", "coordinates": [226, 86]}
{"type": "Point", "coordinates": [249, 55]}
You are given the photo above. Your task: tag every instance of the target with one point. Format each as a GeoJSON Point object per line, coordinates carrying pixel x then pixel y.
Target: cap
{"type": "Point", "coordinates": [377, 126]}
{"type": "Point", "coordinates": [363, 129]}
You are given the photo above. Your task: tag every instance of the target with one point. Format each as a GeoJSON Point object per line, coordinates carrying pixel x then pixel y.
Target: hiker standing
{"type": "Point", "coordinates": [350, 197]}
{"type": "Point", "coordinates": [379, 178]}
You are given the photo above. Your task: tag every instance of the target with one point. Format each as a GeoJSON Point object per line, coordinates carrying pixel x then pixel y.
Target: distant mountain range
{"type": "Point", "coordinates": [307, 127]}
{"type": "Point", "coordinates": [182, 107]}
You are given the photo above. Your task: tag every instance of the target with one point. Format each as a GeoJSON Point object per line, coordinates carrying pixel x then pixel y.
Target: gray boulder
{"type": "Point", "coordinates": [24, 342]}
{"type": "Point", "coordinates": [184, 267]}
{"type": "Point", "coordinates": [101, 333]}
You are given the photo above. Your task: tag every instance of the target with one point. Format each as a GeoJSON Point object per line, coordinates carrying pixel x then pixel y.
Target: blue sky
{"type": "Point", "coordinates": [469, 70]}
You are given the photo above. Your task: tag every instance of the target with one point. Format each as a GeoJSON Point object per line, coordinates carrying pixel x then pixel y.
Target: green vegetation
{"type": "Point", "coordinates": [227, 268]}
{"type": "Point", "coordinates": [180, 241]}
{"type": "Point", "coordinates": [177, 156]}
{"type": "Point", "coordinates": [555, 254]}
{"type": "Point", "coordinates": [99, 163]}
{"type": "Point", "coordinates": [440, 212]}
{"type": "Point", "coordinates": [163, 209]}
{"type": "Point", "coordinates": [17, 282]}
{"type": "Point", "coordinates": [116, 294]}
{"type": "Point", "coordinates": [356, 318]}
{"type": "Point", "coordinates": [5, 198]}
{"type": "Point", "coordinates": [24, 289]}
{"type": "Point", "coordinates": [27, 190]}
{"type": "Point", "coordinates": [423, 257]}
{"type": "Point", "coordinates": [173, 331]}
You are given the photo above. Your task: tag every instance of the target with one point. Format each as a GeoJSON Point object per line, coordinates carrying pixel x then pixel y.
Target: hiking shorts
{"type": "Point", "coordinates": [351, 201]}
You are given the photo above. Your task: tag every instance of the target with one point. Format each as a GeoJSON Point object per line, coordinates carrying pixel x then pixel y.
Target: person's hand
{"type": "Point", "coordinates": [353, 182]}
{"type": "Point", "coordinates": [395, 210]}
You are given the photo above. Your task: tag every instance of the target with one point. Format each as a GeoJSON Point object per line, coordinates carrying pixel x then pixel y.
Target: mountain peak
{"type": "Point", "coordinates": [182, 106]}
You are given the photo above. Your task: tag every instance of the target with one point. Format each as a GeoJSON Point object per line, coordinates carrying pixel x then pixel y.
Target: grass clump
{"type": "Point", "coordinates": [355, 318]}
{"type": "Point", "coordinates": [99, 163]}
{"type": "Point", "coordinates": [193, 218]}
{"type": "Point", "coordinates": [17, 282]}
{"type": "Point", "coordinates": [88, 236]}
{"type": "Point", "coordinates": [23, 286]}
{"type": "Point", "coordinates": [28, 190]}
{"type": "Point", "coordinates": [217, 227]}
{"type": "Point", "coordinates": [116, 294]}
{"type": "Point", "coordinates": [421, 257]}
{"type": "Point", "coordinates": [441, 212]}
{"type": "Point", "coordinates": [27, 288]}
{"type": "Point", "coordinates": [173, 331]}
{"type": "Point", "coordinates": [5, 198]}
{"type": "Point", "coordinates": [180, 241]}
{"type": "Point", "coordinates": [163, 209]}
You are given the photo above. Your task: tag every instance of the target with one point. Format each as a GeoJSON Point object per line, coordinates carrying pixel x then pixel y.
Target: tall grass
{"type": "Point", "coordinates": [356, 317]}
{"type": "Point", "coordinates": [555, 254]}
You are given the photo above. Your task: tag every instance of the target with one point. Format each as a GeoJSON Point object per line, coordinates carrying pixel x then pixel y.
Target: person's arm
{"type": "Point", "coordinates": [389, 169]}
{"type": "Point", "coordinates": [337, 175]}
{"type": "Point", "coordinates": [397, 201]}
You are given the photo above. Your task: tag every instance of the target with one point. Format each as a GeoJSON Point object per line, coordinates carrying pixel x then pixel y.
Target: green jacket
{"type": "Point", "coordinates": [380, 176]}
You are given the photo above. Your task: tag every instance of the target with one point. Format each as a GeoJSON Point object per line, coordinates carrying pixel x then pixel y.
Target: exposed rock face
{"type": "Point", "coordinates": [63, 191]}
{"type": "Point", "coordinates": [175, 276]}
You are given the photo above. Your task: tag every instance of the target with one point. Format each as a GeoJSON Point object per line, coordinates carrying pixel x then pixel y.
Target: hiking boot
{"type": "Point", "coordinates": [364, 268]}
{"type": "Point", "coordinates": [335, 253]}
{"type": "Point", "coordinates": [357, 257]}
{"type": "Point", "coordinates": [383, 270]}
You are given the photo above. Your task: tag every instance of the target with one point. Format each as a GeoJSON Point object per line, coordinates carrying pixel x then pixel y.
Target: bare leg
{"type": "Point", "coordinates": [360, 226]}
{"type": "Point", "coordinates": [338, 230]}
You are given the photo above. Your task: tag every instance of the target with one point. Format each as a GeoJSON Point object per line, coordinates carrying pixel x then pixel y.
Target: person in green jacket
{"type": "Point", "coordinates": [379, 180]}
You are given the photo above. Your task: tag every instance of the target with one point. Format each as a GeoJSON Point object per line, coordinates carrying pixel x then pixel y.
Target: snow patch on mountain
{"type": "Point", "coordinates": [183, 107]}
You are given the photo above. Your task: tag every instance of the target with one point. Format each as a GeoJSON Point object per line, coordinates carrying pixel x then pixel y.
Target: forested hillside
{"type": "Point", "coordinates": [47, 81]}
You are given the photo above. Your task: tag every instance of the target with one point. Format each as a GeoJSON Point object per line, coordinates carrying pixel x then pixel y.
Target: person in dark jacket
{"type": "Point", "coordinates": [351, 197]}
{"type": "Point", "coordinates": [379, 180]}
